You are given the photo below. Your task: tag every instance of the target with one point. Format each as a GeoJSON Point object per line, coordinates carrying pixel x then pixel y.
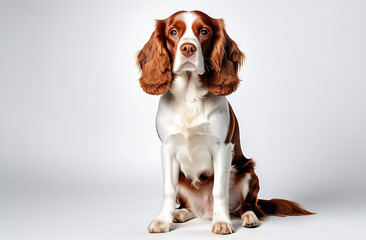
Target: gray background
{"type": "Point", "coordinates": [79, 156]}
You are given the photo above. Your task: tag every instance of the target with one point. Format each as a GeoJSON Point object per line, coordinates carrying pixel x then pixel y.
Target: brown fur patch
{"type": "Point", "coordinates": [154, 63]}
{"type": "Point", "coordinates": [225, 59]}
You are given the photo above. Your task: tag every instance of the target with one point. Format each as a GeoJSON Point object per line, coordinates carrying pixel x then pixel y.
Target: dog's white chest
{"type": "Point", "coordinates": [192, 137]}
{"type": "Point", "coordinates": [191, 122]}
{"type": "Point", "coordinates": [192, 146]}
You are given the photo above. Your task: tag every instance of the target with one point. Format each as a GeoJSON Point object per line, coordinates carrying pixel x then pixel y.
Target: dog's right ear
{"type": "Point", "coordinates": [154, 63]}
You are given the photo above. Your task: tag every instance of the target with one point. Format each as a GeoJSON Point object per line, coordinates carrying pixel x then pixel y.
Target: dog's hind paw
{"type": "Point", "coordinates": [249, 220]}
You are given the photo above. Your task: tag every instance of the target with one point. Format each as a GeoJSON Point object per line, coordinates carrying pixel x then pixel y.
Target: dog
{"type": "Point", "coordinates": [193, 63]}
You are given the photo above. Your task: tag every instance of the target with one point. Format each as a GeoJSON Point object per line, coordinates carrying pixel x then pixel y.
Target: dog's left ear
{"type": "Point", "coordinates": [154, 63]}
{"type": "Point", "coordinates": [225, 60]}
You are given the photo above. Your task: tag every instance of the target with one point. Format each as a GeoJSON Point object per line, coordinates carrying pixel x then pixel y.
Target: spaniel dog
{"type": "Point", "coordinates": [193, 63]}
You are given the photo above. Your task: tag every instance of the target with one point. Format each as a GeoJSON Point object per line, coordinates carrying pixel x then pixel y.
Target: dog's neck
{"type": "Point", "coordinates": [188, 87]}
{"type": "Point", "coordinates": [188, 92]}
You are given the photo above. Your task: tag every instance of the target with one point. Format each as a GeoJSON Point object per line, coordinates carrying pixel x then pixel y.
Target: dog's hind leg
{"type": "Point", "coordinates": [249, 188]}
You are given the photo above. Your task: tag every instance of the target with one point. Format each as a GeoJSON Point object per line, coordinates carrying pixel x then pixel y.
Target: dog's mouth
{"type": "Point", "coordinates": [188, 66]}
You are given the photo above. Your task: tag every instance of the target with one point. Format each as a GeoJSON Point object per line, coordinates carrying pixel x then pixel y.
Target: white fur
{"type": "Point", "coordinates": [193, 124]}
{"type": "Point", "coordinates": [245, 184]}
{"type": "Point", "coordinates": [249, 219]}
{"type": "Point", "coordinates": [182, 215]}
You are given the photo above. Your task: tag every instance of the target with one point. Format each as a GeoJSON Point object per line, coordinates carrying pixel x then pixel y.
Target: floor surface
{"type": "Point", "coordinates": [124, 214]}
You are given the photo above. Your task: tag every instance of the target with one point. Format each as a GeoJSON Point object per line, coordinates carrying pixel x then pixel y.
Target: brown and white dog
{"type": "Point", "coordinates": [192, 61]}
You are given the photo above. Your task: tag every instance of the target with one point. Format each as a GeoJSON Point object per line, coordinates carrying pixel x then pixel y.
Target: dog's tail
{"type": "Point", "coordinates": [281, 208]}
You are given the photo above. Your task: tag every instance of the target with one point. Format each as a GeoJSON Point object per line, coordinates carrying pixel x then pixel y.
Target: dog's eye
{"type": "Point", "coordinates": [204, 32]}
{"type": "Point", "coordinates": [174, 32]}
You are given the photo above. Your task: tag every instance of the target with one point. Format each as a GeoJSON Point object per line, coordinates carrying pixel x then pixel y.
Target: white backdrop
{"type": "Point", "coordinates": [79, 155]}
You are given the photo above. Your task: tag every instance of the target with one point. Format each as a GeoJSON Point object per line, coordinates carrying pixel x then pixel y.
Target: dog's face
{"type": "Point", "coordinates": [193, 42]}
{"type": "Point", "coordinates": [188, 37]}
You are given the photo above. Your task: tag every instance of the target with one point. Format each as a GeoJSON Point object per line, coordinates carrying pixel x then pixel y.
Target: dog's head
{"type": "Point", "coordinates": [194, 42]}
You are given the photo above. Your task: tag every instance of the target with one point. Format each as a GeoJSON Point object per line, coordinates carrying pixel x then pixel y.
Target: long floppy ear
{"type": "Point", "coordinates": [153, 61]}
{"type": "Point", "coordinates": [225, 60]}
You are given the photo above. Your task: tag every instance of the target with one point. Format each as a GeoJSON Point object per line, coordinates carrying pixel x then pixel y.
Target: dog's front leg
{"type": "Point", "coordinates": [221, 223]}
{"type": "Point", "coordinates": [170, 177]}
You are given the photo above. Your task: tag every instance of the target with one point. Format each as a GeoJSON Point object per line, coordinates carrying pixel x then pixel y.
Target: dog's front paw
{"type": "Point", "coordinates": [158, 226]}
{"type": "Point", "coordinates": [222, 228]}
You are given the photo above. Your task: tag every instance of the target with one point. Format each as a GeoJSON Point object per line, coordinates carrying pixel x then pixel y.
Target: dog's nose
{"type": "Point", "coordinates": [188, 49]}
